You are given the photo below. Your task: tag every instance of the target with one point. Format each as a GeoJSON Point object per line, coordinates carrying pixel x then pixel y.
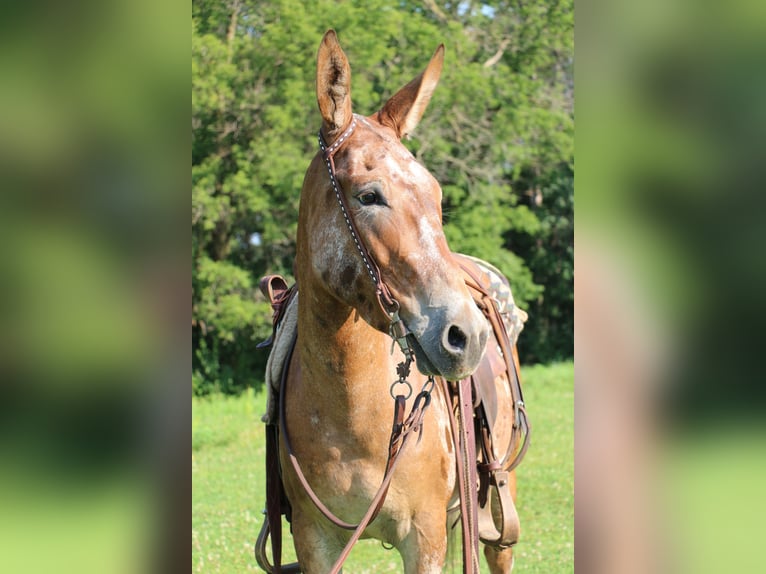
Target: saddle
{"type": "Point", "coordinates": [498, 521]}
{"type": "Point", "coordinates": [492, 507]}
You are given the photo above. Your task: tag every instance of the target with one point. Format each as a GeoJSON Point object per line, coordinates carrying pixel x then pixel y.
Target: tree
{"type": "Point", "coordinates": [498, 137]}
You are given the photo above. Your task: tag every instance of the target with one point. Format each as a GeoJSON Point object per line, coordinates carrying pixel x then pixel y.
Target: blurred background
{"type": "Point", "coordinates": [669, 431]}
{"type": "Point", "coordinates": [94, 357]}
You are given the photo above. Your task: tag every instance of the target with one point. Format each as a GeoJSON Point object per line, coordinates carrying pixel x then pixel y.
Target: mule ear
{"type": "Point", "coordinates": [405, 108]}
{"type": "Point", "coordinates": [333, 85]}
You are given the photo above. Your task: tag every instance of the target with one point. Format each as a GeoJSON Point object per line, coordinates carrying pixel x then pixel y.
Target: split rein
{"type": "Point", "coordinates": [401, 390]}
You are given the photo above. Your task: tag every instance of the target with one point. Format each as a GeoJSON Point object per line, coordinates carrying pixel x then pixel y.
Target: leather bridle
{"type": "Point", "coordinates": [390, 306]}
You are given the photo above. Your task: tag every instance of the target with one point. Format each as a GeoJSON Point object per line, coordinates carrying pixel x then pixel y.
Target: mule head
{"type": "Point", "coordinates": [395, 204]}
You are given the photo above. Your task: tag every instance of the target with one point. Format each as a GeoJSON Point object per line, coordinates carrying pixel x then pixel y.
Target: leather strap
{"type": "Point", "coordinates": [494, 497]}
{"type": "Point", "coordinates": [521, 431]}
{"type": "Point", "coordinates": [400, 434]}
{"type": "Point", "coordinates": [276, 501]}
{"type": "Point", "coordinates": [274, 496]}
{"type": "Point", "coordinates": [468, 496]}
{"type": "Point", "coordinates": [465, 458]}
{"type": "Point", "coordinates": [386, 301]}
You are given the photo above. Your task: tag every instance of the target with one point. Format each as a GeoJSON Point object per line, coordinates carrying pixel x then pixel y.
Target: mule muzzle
{"type": "Point", "coordinates": [453, 351]}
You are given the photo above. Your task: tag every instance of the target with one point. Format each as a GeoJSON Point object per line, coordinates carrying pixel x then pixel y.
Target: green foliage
{"type": "Point", "coordinates": [550, 257]}
{"type": "Point", "coordinates": [228, 323]}
{"type": "Point", "coordinates": [497, 133]}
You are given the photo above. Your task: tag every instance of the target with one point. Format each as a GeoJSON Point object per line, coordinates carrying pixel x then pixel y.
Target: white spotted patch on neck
{"type": "Point", "coordinates": [330, 255]}
{"type": "Point", "coordinates": [332, 241]}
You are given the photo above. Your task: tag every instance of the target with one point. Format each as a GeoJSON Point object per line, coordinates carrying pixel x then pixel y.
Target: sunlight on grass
{"type": "Point", "coordinates": [229, 488]}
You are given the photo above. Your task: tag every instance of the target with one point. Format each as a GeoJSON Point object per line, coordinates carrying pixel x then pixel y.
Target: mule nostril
{"type": "Point", "coordinates": [456, 339]}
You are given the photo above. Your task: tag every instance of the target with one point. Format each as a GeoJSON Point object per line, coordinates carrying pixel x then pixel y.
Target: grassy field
{"type": "Point", "coordinates": [229, 488]}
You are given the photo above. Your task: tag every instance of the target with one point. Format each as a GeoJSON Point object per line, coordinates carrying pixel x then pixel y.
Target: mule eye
{"type": "Point", "coordinates": [368, 198]}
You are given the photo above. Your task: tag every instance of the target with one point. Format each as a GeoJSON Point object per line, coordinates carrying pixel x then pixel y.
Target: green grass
{"type": "Point", "coordinates": [229, 488]}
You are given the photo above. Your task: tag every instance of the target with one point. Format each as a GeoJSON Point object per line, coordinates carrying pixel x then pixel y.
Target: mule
{"type": "Point", "coordinates": [371, 251]}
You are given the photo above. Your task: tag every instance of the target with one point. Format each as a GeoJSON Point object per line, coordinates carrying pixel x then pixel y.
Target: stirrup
{"type": "Point", "coordinates": [263, 560]}
{"type": "Point", "coordinates": [499, 511]}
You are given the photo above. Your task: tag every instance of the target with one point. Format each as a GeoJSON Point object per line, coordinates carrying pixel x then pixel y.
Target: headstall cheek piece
{"type": "Point", "coordinates": [397, 329]}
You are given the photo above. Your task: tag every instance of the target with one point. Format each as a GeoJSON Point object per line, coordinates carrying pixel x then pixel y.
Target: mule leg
{"type": "Point", "coordinates": [499, 561]}
{"type": "Point", "coordinates": [423, 551]}
{"type": "Point", "coordinates": [316, 548]}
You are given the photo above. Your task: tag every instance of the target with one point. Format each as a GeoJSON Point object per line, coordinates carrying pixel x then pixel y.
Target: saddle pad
{"type": "Point", "coordinates": [500, 290]}
{"type": "Point", "coordinates": [286, 331]}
